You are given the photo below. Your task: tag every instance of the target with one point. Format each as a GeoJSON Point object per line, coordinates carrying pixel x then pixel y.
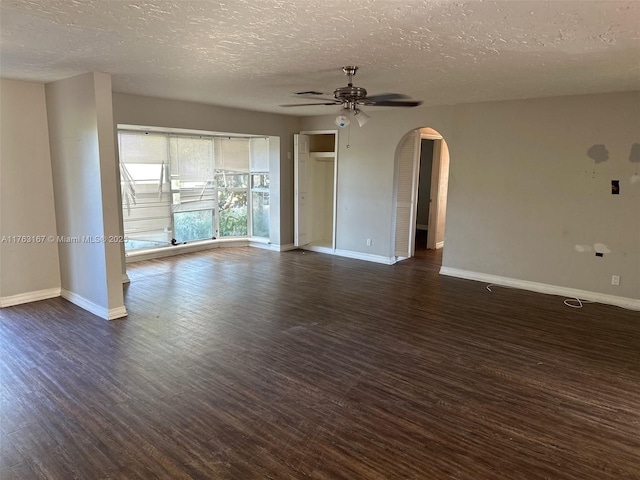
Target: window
{"type": "Point", "coordinates": [192, 187]}
{"type": "Point", "coordinates": [232, 181]}
{"type": "Point", "coordinates": [146, 194]}
{"type": "Point", "coordinates": [259, 167]}
{"type": "Point", "coordinates": [260, 205]}
{"type": "Point", "coordinates": [184, 188]}
{"type": "Point", "coordinates": [196, 225]}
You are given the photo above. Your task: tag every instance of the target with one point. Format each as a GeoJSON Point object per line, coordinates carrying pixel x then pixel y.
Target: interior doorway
{"type": "Point", "coordinates": [422, 177]}
{"type": "Point", "coordinates": [315, 186]}
{"type": "Point", "coordinates": [424, 193]}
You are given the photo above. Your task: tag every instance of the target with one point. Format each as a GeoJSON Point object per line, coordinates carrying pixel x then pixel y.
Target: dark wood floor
{"type": "Point", "coordinates": [249, 364]}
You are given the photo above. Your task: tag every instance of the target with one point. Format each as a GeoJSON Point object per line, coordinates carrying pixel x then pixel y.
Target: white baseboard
{"type": "Point", "coordinates": [349, 254]}
{"type": "Point", "coordinates": [28, 297]}
{"type": "Point", "coordinates": [439, 245]}
{"type": "Point", "coordinates": [102, 312]}
{"type": "Point", "coordinates": [316, 248]}
{"type": "Point", "coordinates": [272, 247]}
{"type": "Point", "coordinates": [125, 278]}
{"type": "Point", "coordinates": [419, 226]}
{"type": "Point", "coordinates": [624, 302]}
{"type": "Point", "coordinates": [119, 312]}
{"type": "Point", "coordinates": [365, 256]}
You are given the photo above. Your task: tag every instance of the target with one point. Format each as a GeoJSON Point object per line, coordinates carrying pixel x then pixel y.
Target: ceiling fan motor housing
{"type": "Point", "coordinates": [350, 93]}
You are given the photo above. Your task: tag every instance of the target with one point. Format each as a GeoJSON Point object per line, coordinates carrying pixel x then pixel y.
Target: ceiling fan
{"type": "Point", "coordinates": [351, 97]}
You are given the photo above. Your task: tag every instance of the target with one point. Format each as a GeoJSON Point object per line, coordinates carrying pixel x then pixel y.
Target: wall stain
{"type": "Point", "coordinates": [599, 153]}
{"type": "Point", "coordinates": [634, 154]}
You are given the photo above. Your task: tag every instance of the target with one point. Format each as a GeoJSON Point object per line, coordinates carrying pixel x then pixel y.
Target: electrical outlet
{"type": "Point", "coordinates": [368, 242]}
{"type": "Point", "coordinates": [615, 279]}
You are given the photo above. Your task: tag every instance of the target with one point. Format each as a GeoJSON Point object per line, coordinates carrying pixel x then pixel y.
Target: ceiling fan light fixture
{"type": "Point", "coordinates": [342, 121]}
{"type": "Point", "coordinates": [361, 117]}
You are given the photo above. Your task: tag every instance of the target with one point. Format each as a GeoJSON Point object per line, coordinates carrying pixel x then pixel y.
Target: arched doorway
{"type": "Point", "coordinates": [421, 185]}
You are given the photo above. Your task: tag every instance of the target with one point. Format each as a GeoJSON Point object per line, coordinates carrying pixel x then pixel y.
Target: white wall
{"type": "Point", "coordinates": [522, 190]}
{"type": "Point", "coordinates": [85, 187]}
{"type": "Point", "coordinates": [156, 112]}
{"type": "Point", "coordinates": [28, 271]}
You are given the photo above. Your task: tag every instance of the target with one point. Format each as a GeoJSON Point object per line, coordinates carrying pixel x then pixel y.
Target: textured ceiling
{"type": "Point", "coordinates": [254, 54]}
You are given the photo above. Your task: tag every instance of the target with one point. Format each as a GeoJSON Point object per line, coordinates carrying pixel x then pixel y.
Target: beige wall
{"type": "Point", "coordinates": [156, 112]}
{"type": "Point", "coordinates": [110, 183]}
{"type": "Point", "coordinates": [84, 173]}
{"type": "Point", "coordinates": [522, 190]}
{"type": "Point", "coordinates": [27, 270]}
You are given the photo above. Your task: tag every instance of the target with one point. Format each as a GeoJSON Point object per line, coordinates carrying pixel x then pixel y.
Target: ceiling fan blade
{"type": "Point", "coordinates": [387, 96]}
{"type": "Point", "coordinates": [396, 103]}
{"type": "Point", "coordinates": [306, 104]}
{"type": "Point", "coordinates": [320, 99]}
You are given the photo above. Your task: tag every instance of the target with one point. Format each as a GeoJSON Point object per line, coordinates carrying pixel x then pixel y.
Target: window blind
{"type": "Point", "coordinates": [140, 147]}
{"type": "Point", "coordinates": [231, 154]}
{"type": "Point", "coordinates": [146, 196]}
{"type": "Point", "coordinates": [191, 158]}
{"type": "Point", "coordinates": [259, 154]}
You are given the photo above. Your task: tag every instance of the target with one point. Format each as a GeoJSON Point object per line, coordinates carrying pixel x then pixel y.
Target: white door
{"type": "Point", "coordinates": [432, 230]}
{"type": "Point", "coordinates": [301, 189]}
{"type": "Point", "coordinates": [406, 195]}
